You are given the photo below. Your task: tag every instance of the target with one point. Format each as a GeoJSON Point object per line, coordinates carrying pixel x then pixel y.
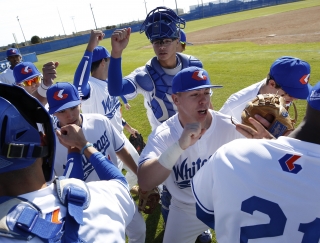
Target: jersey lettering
{"type": "Point", "coordinates": [277, 222]}
{"type": "Point", "coordinates": [101, 145]}
{"type": "Point", "coordinates": [183, 174]}
{"type": "Point", "coordinates": [287, 163]}
{"type": "Point", "coordinates": [110, 106]}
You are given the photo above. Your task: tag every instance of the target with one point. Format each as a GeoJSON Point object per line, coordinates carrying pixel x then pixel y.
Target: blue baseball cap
{"type": "Point", "coordinates": [314, 97]}
{"type": "Point", "coordinates": [25, 71]}
{"type": "Point", "coordinates": [13, 52]}
{"type": "Point", "coordinates": [183, 38]}
{"type": "Point", "coordinates": [99, 53]}
{"type": "Point", "coordinates": [191, 78]}
{"type": "Point", "coordinates": [293, 75]}
{"type": "Point", "coordinates": [61, 96]}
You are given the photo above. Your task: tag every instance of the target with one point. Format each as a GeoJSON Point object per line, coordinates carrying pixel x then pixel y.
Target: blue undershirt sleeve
{"type": "Point", "coordinates": [124, 122]}
{"type": "Point", "coordinates": [125, 101]}
{"type": "Point", "coordinates": [116, 85]}
{"type": "Point", "coordinates": [206, 218]}
{"type": "Point", "coordinates": [105, 169]}
{"type": "Point", "coordinates": [82, 74]}
{"type": "Point", "coordinates": [74, 166]}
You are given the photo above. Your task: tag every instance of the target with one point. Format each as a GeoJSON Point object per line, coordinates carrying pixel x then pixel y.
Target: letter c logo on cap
{"type": "Point", "coordinates": [305, 79]}
{"type": "Point", "coordinates": [199, 76]}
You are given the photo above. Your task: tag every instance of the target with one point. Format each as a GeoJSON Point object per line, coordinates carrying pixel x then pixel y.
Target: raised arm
{"type": "Point", "coordinates": [49, 74]}
{"type": "Point", "coordinates": [116, 85]}
{"type": "Point", "coordinates": [153, 172]}
{"type": "Point", "coordinates": [82, 74]}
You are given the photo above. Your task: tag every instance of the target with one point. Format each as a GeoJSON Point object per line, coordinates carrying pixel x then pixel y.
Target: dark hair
{"type": "Point", "coordinates": [95, 65]}
{"type": "Point", "coordinates": [269, 77]}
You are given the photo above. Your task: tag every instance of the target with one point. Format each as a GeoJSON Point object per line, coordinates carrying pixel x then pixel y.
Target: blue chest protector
{"type": "Point", "coordinates": [159, 84]}
{"type": "Point", "coordinates": [23, 220]}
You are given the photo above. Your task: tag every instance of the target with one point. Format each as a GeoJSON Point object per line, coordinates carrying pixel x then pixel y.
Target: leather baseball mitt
{"type": "Point", "coordinates": [272, 108]}
{"type": "Point", "coordinates": [137, 142]}
{"type": "Point", "coordinates": [148, 200]}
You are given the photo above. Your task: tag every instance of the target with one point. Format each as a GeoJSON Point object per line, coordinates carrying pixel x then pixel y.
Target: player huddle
{"type": "Point", "coordinates": [60, 166]}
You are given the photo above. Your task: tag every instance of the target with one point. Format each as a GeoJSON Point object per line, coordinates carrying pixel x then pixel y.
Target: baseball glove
{"type": "Point", "coordinates": [148, 200]}
{"type": "Point", "coordinates": [137, 142]}
{"type": "Point", "coordinates": [272, 108]}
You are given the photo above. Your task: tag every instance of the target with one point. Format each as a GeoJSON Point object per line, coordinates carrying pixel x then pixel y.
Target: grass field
{"type": "Point", "coordinates": [233, 65]}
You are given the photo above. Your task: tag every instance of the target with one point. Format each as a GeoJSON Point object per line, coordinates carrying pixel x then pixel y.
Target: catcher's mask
{"type": "Point", "coordinates": [21, 115]}
{"type": "Point", "coordinates": [162, 23]}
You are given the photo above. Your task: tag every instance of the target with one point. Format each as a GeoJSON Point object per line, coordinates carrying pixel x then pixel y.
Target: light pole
{"type": "Point", "coordinates": [74, 24]}
{"type": "Point", "coordinates": [61, 23]}
{"type": "Point", "coordinates": [145, 5]}
{"type": "Point", "coordinates": [202, 9]}
{"type": "Point", "coordinates": [93, 17]}
{"type": "Point", "coordinates": [22, 31]}
{"type": "Point", "coordinates": [176, 7]}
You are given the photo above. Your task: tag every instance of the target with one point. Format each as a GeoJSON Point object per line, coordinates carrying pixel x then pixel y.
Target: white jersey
{"type": "Point", "coordinates": [111, 209]}
{"type": "Point", "coordinates": [221, 131]}
{"type": "Point", "coordinates": [7, 76]}
{"type": "Point", "coordinates": [102, 103]}
{"type": "Point", "coordinates": [264, 190]}
{"type": "Point", "coordinates": [236, 103]}
{"type": "Point", "coordinates": [105, 138]}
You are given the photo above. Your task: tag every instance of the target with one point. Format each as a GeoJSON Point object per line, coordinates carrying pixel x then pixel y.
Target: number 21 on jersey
{"type": "Point", "coordinates": [276, 226]}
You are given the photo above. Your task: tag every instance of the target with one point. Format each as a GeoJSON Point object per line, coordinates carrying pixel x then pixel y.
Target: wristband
{"type": "Point", "coordinates": [85, 147]}
{"type": "Point", "coordinates": [42, 90]}
{"type": "Point", "coordinates": [168, 158]}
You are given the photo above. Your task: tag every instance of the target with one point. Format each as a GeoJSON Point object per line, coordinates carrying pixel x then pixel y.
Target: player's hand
{"type": "Point", "coordinates": [127, 106]}
{"type": "Point", "coordinates": [71, 136]}
{"type": "Point", "coordinates": [261, 131]}
{"type": "Point", "coordinates": [191, 134]}
{"type": "Point", "coordinates": [119, 41]}
{"type": "Point", "coordinates": [133, 131]}
{"type": "Point", "coordinates": [95, 37]}
{"type": "Point", "coordinates": [49, 71]}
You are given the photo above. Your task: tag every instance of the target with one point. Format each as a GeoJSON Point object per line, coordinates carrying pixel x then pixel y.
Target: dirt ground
{"type": "Point", "coordinates": [290, 27]}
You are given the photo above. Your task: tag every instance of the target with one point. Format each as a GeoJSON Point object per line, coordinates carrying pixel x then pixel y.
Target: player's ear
{"type": "Point", "coordinates": [175, 98]}
{"type": "Point", "coordinates": [272, 83]}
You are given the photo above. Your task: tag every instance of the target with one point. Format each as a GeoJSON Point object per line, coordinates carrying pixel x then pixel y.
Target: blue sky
{"type": "Point", "coordinates": [41, 17]}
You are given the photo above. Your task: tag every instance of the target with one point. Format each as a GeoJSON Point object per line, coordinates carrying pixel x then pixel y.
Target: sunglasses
{"type": "Point", "coordinates": [29, 82]}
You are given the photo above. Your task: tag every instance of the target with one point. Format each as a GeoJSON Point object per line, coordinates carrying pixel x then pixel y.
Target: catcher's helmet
{"type": "Point", "coordinates": [21, 115]}
{"type": "Point", "coordinates": [162, 23]}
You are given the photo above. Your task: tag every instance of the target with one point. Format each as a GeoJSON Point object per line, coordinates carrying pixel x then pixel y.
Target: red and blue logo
{"type": "Point", "coordinates": [199, 75]}
{"type": "Point", "coordinates": [287, 163]}
{"type": "Point", "coordinates": [26, 70]}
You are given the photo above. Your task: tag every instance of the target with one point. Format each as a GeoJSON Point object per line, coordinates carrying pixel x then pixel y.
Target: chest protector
{"type": "Point", "coordinates": [159, 85]}
{"type": "Point", "coordinates": [23, 220]}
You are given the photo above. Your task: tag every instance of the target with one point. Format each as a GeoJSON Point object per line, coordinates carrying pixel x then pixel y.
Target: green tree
{"type": "Point", "coordinates": [35, 39]}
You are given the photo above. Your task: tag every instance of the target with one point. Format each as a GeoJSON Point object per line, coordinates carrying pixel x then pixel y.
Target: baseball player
{"type": "Point", "coordinates": [288, 77]}
{"type": "Point", "coordinates": [14, 57]}
{"type": "Point", "coordinates": [154, 80]}
{"type": "Point", "coordinates": [64, 104]}
{"type": "Point", "coordinates": [68, 210]}
{"type": "Point", "coordinates": [183, 42]}
{"type": "Point", "coordinates": [180, 146]}
{"type": "Point", "coordinates": [94, 91]}
{"type": "Point", "coordinates": [265, 190]}
{"type": "Point", "coordinates": [28, 77]}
